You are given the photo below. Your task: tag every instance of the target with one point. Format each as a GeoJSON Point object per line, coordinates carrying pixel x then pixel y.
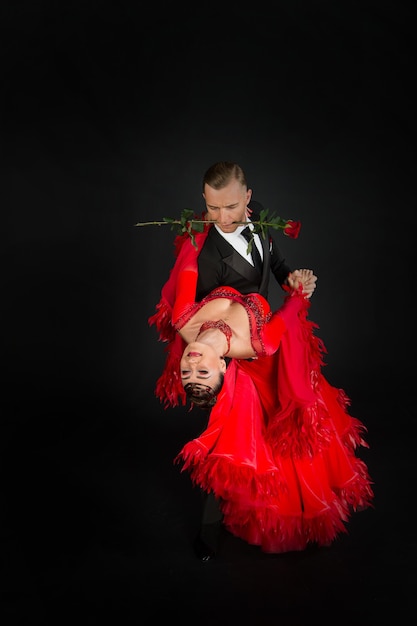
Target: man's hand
{"type": "Point", "coordinates": [306, 279]}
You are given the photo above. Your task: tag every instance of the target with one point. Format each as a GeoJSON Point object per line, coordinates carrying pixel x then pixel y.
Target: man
{"type": "Point", "coordinates": [224, 260]}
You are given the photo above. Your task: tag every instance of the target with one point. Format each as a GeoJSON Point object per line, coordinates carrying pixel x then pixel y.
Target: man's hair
{"type": "Point", "coordinates": [203, 396]}
{"type": "Point", "coordinates": [221, 173]}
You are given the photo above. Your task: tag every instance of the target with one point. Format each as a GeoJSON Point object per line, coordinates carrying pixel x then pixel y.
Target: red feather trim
{"type": "Point", "coordinates": [228, 480]}
{"type": "Point", "coordinates": [305, 432]}
{"type": "Point", "coordinates": [276, 533]}
{"type": "Point", "coordinates": [162, 321]}
{"type": "Point", "coordinates": [169, 389]}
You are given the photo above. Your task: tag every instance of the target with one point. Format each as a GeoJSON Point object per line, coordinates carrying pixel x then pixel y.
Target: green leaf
{"type": "Point", "coordinates": [198, 226]}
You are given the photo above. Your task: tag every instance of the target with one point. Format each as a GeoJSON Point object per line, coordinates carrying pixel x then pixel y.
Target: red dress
{"type": "Point", "coordinates": [279, 449]}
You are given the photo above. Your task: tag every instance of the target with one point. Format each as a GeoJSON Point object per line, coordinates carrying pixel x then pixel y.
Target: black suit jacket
{"type": "Point", "coordinates": [220, 264]}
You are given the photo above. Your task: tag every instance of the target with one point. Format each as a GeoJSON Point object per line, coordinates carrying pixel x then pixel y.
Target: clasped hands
{"type": "Point", "coordinates": [305, 278]}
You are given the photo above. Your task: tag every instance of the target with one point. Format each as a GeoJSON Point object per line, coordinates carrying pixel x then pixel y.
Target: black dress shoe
{"type": "Point", "coordinates": [202, 550]}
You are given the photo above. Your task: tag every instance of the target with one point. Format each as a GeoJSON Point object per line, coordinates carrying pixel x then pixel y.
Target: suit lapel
{"type": "Point", "coordinates": [233, 259]}
{"type": "Point", "coordinates": [266, 264]}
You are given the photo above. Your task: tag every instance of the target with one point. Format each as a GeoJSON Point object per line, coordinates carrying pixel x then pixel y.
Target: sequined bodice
{"type": "Point", "coordinates": [255, 305]}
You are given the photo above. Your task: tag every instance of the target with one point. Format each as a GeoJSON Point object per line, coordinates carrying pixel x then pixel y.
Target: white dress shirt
{"type": "Point", "coordinates": [239, 243]}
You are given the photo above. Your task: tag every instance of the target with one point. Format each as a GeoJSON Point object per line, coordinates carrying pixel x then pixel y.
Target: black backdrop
{"type": "Point", "coordinates": [111, 112]}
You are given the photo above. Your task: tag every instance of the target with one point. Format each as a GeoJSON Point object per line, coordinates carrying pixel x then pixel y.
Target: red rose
{"type": "Point", "coordinates": [292, 229]}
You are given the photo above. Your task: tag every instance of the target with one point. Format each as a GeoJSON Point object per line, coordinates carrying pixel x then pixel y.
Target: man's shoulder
{"type": "Point", "coordinates": [212, 241]}
{"type": "Point", "coordinates": [214, 248]}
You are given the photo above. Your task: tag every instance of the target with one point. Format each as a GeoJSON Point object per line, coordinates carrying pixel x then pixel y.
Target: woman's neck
{"type": "Point", "coordinates": [211, 329]}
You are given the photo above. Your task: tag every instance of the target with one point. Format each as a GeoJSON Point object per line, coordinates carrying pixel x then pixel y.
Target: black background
{"type": "Point", "coordinates": [111, 113]}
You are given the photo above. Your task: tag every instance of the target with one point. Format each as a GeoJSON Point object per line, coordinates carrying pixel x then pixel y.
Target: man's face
{"type": "Point", "coordinates": [227, 205]}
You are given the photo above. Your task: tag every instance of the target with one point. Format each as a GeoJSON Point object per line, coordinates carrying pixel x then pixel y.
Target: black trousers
{"type": "Point", "coordinates": [211, 520]}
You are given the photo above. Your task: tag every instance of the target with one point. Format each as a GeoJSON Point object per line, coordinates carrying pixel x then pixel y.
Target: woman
{"type": "Point", "coordinates": [279, 450]}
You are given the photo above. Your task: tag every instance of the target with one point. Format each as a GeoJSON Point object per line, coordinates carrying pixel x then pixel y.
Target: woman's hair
{"type": "Point", "coordinates": [203, 396]}
{"type": "Point", "coordinates": [220, 174]}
